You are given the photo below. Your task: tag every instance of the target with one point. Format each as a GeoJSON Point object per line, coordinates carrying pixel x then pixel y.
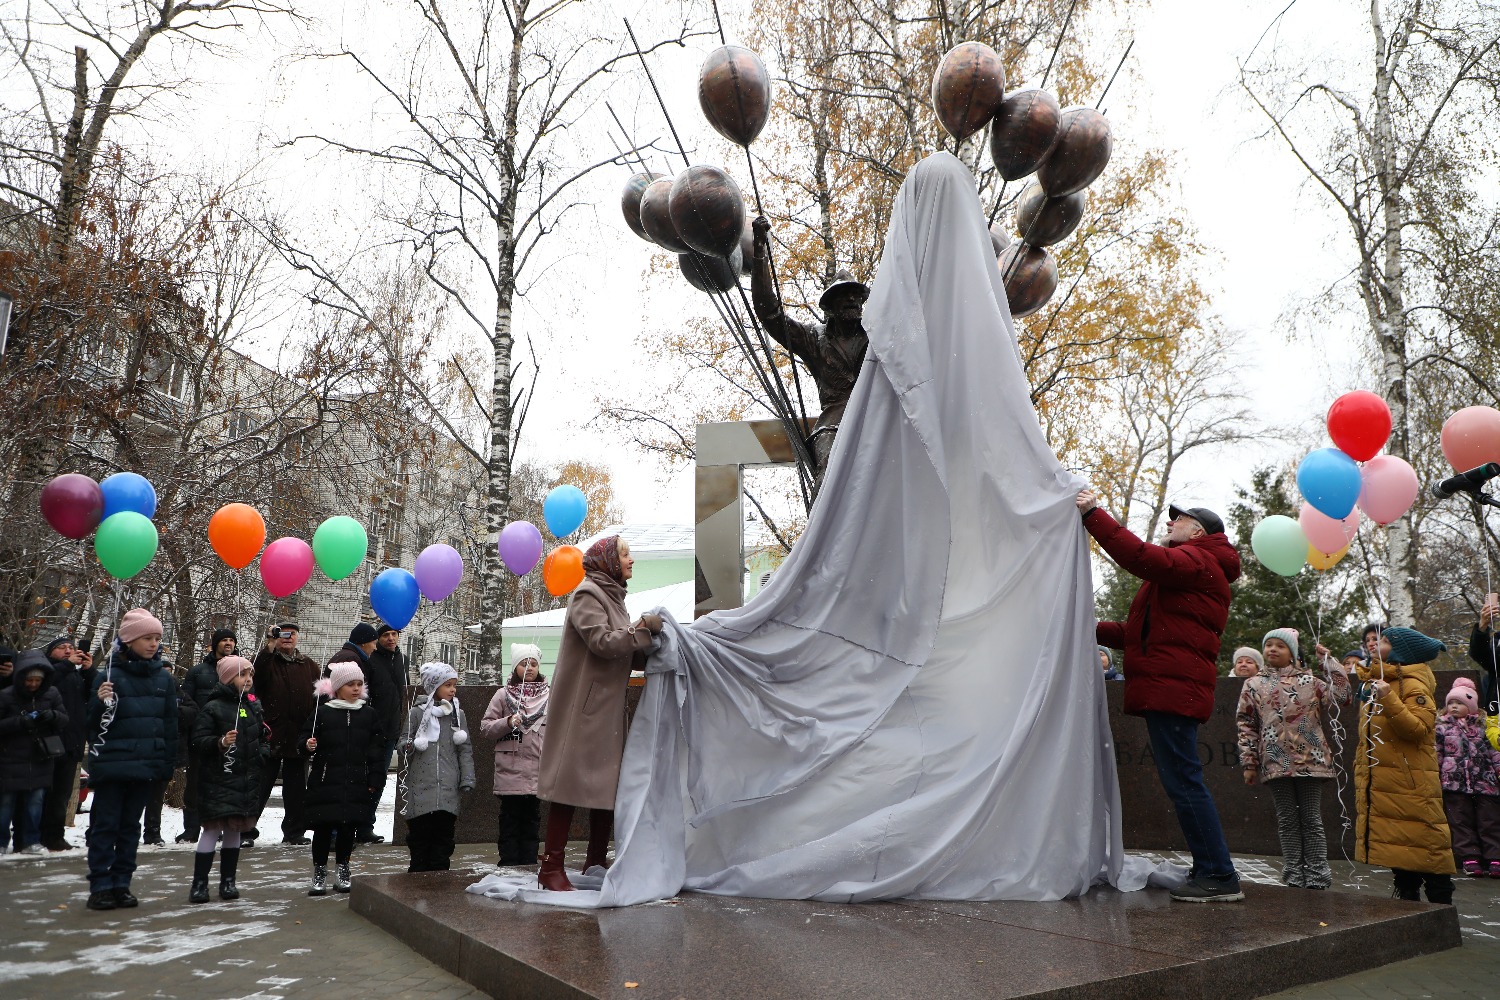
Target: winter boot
{"type": "Point", "coordinates": [203, 863]}
{"type": "Point", "coordinates": [601, 826]}
{"type": "Point", "coordinates": [551, 875]}
{"type": "Point", "coordinates": [342, 882]}
{"type": "Point", "coordinates": [320, 881]}
{"type": "Point", "coordinates": [228, 863]}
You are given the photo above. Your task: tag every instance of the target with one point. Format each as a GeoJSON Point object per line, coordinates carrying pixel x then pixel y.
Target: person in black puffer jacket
{"type": "Point", "coordinates": [230, 745]}
{"type": "Point", "coordinates": [74, 675]}
{"type": "Point", "coordinates": [197, 687]}
{"type": "Point", "coordinates": [133, 719]}
{"type": "Point", "coordinates": [30, 711]}
{"type": "Point", "coordinates": [346, 745]}
{"type": "Point", "coordinates": [385, 683]}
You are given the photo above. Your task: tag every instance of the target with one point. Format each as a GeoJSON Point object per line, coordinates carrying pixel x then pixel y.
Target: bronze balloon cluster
{"type": "Point", "coordinates": [700, 214]}
{"type": "Point", "coordinates": [1067, 149]}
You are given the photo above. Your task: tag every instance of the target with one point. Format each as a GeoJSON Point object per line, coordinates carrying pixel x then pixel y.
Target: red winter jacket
{"type": "Point", "coordinates": [1171, 636]}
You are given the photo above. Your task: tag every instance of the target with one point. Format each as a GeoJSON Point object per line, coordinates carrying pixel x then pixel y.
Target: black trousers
{"type": "Point", "coordinates": [293, 771]}
{"type": "Point", "coordinates": [429, 838]}
{"type": "Point", "coordinates": [151, 823]}
{"type": "Point", "coordinates": [1439, 887]}
{"type": "Point", "coordinates": [340, 837]}
{"type": "Point", "coordinates": [55, 802]}
{"type": "Point", "coordinates": [520, 822]}
{"type": "Point", "coordinates": [191, 829]}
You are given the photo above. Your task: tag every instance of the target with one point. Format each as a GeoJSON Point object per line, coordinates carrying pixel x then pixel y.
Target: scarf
{"type": "Point", "coordinates": [601, 564]}
{"type": "Point", "coordinates": [529, 698]}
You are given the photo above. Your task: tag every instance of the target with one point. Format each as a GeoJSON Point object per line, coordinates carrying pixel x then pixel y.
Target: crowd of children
{"type": "Point", "coordinates": [136, 715]}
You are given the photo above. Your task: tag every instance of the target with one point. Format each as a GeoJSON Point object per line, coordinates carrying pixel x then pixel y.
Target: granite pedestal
{"type": "Point", "coordinates": [1106, 945]}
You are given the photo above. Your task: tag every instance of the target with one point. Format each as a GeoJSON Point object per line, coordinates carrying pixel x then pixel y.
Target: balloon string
{"type": "Point", "coordinates": [107, 718]}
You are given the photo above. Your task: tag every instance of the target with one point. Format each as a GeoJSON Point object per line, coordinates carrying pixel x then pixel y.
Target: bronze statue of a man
{"type": "Point", "coordinates": [833, 351]}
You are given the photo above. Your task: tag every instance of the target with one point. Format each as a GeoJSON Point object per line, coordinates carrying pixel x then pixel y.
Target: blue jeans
{"type": "Point", "coordinates": [27, 807]}
{"type": "Point", "coordinates": [115, 832]}
{"type": "Point", "coordinates": [1174, 744]}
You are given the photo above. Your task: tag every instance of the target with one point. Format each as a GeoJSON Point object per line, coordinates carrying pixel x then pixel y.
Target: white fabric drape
{"type": "Point", "coordinates": [913, 706]}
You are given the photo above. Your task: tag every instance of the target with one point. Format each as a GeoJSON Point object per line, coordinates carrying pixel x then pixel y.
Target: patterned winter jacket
{"type": "Point", "coordinates": [1281, 716]}
{"type": "Point", "coordinates": [1466, 760]}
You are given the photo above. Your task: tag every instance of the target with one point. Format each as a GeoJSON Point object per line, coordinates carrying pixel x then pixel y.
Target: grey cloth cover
{"type": "Point", "coordinates": [913, 706]}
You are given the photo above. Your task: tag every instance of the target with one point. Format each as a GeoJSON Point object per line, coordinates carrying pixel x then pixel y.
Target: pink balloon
{"type": "Point", "coordinates": [285, 565]}
{"type": "Point", "coordinates": [1327, 534]}
{"type": "Point", "coordinates": [1471, 437]}
{"type": "Point", "coordinates": [1389, 488]}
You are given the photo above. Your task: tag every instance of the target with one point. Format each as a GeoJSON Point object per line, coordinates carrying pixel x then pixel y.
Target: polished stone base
{"type": "Point", "coordinates": [1105, 945]}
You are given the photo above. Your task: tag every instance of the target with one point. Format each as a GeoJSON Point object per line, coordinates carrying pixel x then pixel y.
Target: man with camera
{"type": "Point", "coordinates": [284, 681]}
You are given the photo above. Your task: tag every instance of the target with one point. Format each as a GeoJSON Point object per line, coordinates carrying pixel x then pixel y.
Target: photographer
{"type": "Point", "coordinates": [31, 718]}
{"type": "Point", "coordinates": [284, 679]}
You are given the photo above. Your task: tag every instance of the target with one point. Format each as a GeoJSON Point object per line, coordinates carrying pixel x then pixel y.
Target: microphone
{"type": "Point", "coordinates": [1466, 482]}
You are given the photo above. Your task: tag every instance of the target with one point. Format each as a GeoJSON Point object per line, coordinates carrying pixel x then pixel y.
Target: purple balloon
{"type": "Point", "coordinates": [438, 571]}
{"type": "Point", "coordinates": [73, 504]}
{"type": "Point", "coordinates": [520, 547]}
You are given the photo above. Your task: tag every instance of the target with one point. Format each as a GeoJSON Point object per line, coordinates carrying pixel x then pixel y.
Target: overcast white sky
{"type": "Point", "coordinates": [1274, 242]}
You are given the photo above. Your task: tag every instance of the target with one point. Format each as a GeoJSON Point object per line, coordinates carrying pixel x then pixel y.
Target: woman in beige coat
{"type": "Point", "coordinates": [586, 712]}
{"type": "Point", "coordinates": [1398, 789]}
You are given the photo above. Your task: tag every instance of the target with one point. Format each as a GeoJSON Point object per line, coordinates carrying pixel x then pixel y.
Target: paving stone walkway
{"type": "Point", "coordinates": [277, 942]}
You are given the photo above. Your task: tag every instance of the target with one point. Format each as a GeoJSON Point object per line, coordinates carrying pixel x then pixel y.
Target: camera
{"type": "Point", "coordinates": [285, 634]}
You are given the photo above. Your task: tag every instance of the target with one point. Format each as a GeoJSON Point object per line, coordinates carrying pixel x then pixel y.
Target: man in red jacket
{"type": "Point", "coordinates": [1171, 643]}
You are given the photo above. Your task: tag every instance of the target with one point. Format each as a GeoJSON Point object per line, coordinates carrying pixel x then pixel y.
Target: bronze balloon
{"type": "Point", "coordinates": [1042, 220]}
{"type": "Point", "coordinates": [1025, 129]}
{"type": "Point", "coordinates": [1029, 281]}
{"type": "Point", "coordinates": [630, 202]}
{"type": "Point", "coordinates": [967, 88]}
{"type": "Point", "coordinates": [1080, 154]}
{"type": "Point", "coordinates": [747, 250]}
{"type": "Point", "coordinates": [656, 216]}
{"type": "Point", "coordinates": [999, 239]}
{"type": "Point", "coordinates": [708, 210]}
{"type": "Point", "coordinates": [734, 91]}
{"type": "Point", "coordinates": [710, 274]}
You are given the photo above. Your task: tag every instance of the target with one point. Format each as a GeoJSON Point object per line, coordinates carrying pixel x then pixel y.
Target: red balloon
{"type": "Point", "coordinates": [1471, 437]}
{"type": "Point", "coordinates": [73, 504]}
{"type": "Point", "coordinates": [1360, 424]}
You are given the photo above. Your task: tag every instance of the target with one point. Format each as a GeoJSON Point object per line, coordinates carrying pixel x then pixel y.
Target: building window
{"type": "Point", "coordinates": [240, 424]}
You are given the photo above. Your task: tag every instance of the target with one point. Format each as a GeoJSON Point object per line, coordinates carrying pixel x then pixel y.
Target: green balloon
{"type": "Point", "coordinates": [1280, 545]}
{"type": "Point", "coordinates": [125, 543]}
{"type": "Point", "coordinates": [339, 546]}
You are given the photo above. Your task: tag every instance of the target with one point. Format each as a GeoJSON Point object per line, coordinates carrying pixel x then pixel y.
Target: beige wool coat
{"type": "Point", "coordinates": [586, 713]}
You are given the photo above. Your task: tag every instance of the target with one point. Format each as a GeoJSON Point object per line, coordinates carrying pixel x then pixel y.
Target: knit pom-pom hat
{"type": "Point", "coordinates": [435, 675]}
{"type": "Point", "coordinates": [229, 667]}
{"type": "Point", "coordinates": [1286, 635]}
{"type": "Point", "coordinates": [1464, 693]}
{"type": "Point", "coordinates": [1409, 646]}
{"type": "Point", "coordinates": [340, 674]}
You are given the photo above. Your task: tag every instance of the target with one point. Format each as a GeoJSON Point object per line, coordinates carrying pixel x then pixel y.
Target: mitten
{"type": "Point", "coordinates": [460, 737]}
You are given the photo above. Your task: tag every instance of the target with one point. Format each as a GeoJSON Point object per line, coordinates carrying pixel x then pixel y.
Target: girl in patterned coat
{"type": "Point", "coordinates": [1470, 770]}
{"type": "Point", "coordinates": [1281, 717]}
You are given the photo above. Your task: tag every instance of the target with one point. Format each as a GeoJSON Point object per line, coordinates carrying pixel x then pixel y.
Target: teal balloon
{"type": "Point", "coordinates": [564, 509]}
{"type": "Point", "coordinates": [339, 546]}
{"type": "Point", "coordinates": [1329, 480]}
{"type": "Point", "coordinates": [1280, 545]}
{"type": "Point", "coordinates": [125, 543]}
{"type": "Point", "coordinates": [394, 595]}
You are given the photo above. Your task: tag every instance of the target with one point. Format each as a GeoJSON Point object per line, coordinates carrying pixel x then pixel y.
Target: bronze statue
{"type": "Point", "coordinates": [833, 351]}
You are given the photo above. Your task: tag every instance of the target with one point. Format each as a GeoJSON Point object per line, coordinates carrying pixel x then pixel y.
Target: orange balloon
{"type": "Point", "coordinates": [1320, 562]}
{"type": "Point", "coordinates": [563, 570]}
{"type": "Point", "coordinates": [237, 532]}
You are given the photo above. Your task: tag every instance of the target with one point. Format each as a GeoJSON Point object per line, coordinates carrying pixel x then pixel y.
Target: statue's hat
{"type": "Point", "coordinates": [843, 281]}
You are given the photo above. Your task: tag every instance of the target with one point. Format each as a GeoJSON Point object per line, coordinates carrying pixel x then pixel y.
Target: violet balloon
{"type": "Point", "coordinates": [520, 546]}
{"type": "Point", "coordinates": [438, 570]}
{"type": "Point", "coordinates": [1388, 488]}
{"type": "Point", "coordinates": [285, 565]}
{"type": "Point", "coordinates": [73, 504]}
{"type": "Point", "coordinates": [1327, 534]}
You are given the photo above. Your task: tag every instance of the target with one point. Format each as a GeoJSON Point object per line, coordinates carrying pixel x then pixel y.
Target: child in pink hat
{"type": "Point", "coordinates": [1470, 770]}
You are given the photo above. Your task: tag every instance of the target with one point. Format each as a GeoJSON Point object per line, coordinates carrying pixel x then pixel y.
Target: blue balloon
{"type": "Point", "coordinates": [565, 508]}
{"type": "Point", "coordinates": [128, 491]}
{"type": "Point", "coordinates": [1329, 480]}
{"type": "Point", "coordinates": [394, 595]}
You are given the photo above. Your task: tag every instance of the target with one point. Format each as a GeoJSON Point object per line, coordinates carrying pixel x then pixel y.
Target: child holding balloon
{"type": "Point", "coordinates": [347, 751]}
{"type": "Point", "coordinates": [1281, 717]}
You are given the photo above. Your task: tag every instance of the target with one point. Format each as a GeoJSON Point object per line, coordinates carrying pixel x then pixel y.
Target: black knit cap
{"type": "Point", "coordinates": [220, 634]}
{"type": "Point", "coordinates": [362, 633]}
{"type": "Point", "coordinates": [52, 646]}
{"type": "Point", "coordinates": [383, 628]}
